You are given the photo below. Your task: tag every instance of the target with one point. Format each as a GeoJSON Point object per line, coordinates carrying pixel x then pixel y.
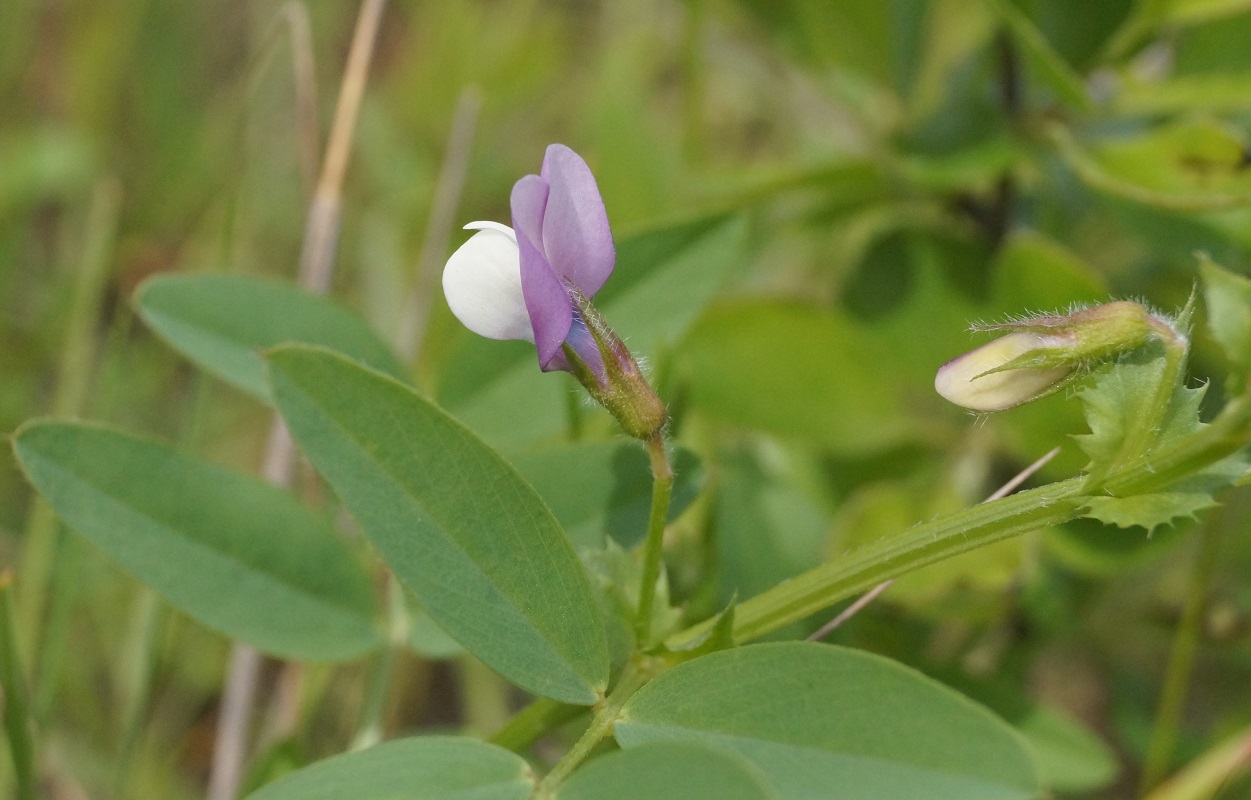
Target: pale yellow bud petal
{"type": "Point", "coordinates": [969, 380]}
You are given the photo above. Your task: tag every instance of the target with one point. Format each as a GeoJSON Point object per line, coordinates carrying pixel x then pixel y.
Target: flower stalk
{"type": "Point", "coordinates": [653, 546]}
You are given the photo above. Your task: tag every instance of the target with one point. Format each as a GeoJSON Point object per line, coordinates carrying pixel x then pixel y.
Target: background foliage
{"type": "Point", "coordinates": [812, 200]}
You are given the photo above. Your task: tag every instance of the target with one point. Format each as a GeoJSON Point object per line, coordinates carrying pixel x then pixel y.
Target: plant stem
{"type": "Point", "coordinates": [1181, 660]}
{"type": "Point", "coordinates": [536, 719]}
{"type": "Point", "coordinates": [73, 383]}
{"type": "Point", "coordinates": [632, 679]}
{"type": "Point", "coordinates": [978, 526]}
{"type": "Point", "coordinates": [370, 730]}
{"type": "Point", "coordinates": [16, 714]}
{"type": "Point", "coordinates": [662, 487]}
{"type": "Point", "coordinates": [483, 696]}
{"type": "Point", "coordinates": [923, 544]}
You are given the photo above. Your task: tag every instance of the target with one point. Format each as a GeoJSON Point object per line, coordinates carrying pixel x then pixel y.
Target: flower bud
{"type": "Point", "coordinates": [1042, 354]}
{"type": "Point", "coordinates": [616, 382]}
{"type": "Point", "coordinates": [974, 381]}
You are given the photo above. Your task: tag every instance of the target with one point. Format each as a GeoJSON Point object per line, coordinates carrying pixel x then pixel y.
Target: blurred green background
{"type": "Point", "coordinates": [812, 202]}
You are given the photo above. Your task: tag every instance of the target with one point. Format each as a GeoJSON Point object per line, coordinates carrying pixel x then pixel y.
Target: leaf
{"type": "Point", "coordinates": [426, 638]}
{"type": "Point", "coordinates": [769, 528]}
{"type": "Point", "coordinates": [1070, 757]}
{"type": "Point", "coordinates": [419, 768]}
{"type": "Point", "coordinates": [223, 322]}
{"type": "Point", "coordinates": [1122, 397]}
{"type": "Point", "coordinates": [598, 488]}
{"type": "Point", "coordinates": [456, 523]}
{"type": "Point", "coordinates": [666, 772]}
{"type": "Point", "coordinates": [662, 281]}
{"type": "Point", "coordinates": [821, 370]}
{"type": "Point", "coordinates": [235, 553]}
{"type": "Point", "coordinates": [1124, 393]}
{"type": "Point", "coordinates": [1051, 67]}
{"type": "Point", "coordinates": [812, 716]}
{"type": "Point", "coordinates": [1149, 510]}
{"type": "Point", "coordinates": [1196, 165]}
{"type": "Point", "coordinates": [1227, 297]}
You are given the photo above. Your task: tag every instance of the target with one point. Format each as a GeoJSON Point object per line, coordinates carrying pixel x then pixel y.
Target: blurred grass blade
{"type": "Point", "coordinates": [16, 714]}
{"type": "Point", "coordinates": [222, 322]}
{"type": "Point", "coordinates": [456, 523]}
{"type": "Point", "coordinates": [1207, 775]}
{"type": "Point", "coordinates": [425, 768]}
{"type": "Point", "coordinates": [237, 554]}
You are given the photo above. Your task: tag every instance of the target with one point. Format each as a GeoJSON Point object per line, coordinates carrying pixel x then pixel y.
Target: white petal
{"type": "Point", "coordinates": [487, 225]}
{"type": "Point", "coordinates": [482, 283]}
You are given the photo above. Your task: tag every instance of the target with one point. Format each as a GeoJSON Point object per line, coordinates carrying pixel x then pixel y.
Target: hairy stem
{"type": "Point", "coordinates": [662, 488]}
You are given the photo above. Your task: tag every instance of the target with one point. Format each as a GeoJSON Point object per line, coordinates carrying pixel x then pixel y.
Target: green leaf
{"type": "Point", "coordinates": [769, 528]}
{"type": "Point", "coordinates": [1119, 407]}
{"type": "Point", "coordinates": [1149, 510]}
{"type": "Point", "coordinates": [662, 281]}
{"type": "Point", "coordinates": [1123, 395]}
{"type": "Point", "coordinates": [1070, 757]}
{"type": "Point", "coordinates": [1196, 165]}
{"type": "Point", "coordinates": [223, 322]}
{"type": "Point", "coordinates": [820, 368]}
{"type": "Point", "coordinates": [598, 488]}
{"type": "Point", "coordinates": [1227, 297]}
{"type": "Point", "coordinates": [813, 716]}
{"type": "Point", "coordinates": [666, 772]}
{"type": "Point", "coordinates": [235, 553]}
{"type": "Point", "coordinates": [420, 768]}
{"type": "Point", "coordinates": [456, 523]}
{"type": "Point", "coordinates": [1051, 67]}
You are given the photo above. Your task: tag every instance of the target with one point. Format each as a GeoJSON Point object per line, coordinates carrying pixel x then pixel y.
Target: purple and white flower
{"type": "Point", "coordinates": [522, 282]}
{"type": "Point", "coordinates": [534, 282]}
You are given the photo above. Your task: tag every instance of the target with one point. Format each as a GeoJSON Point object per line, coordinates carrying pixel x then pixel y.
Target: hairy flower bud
{"type": "Point", "coordinates": [1041, 354]}
{"type": "Point", "coordinates": [974, 381]}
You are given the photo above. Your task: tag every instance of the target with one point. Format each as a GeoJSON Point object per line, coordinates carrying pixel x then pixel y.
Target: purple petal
{"type": "Point", "coordinates": [576, 237]}
{"type": "Point", "coordinates": [583, 344]}
{"type": "Point", "coordinates": [547, 302]}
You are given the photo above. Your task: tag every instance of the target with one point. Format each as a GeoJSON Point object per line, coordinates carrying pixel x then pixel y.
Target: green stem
{"type": "Point", "coordinates": [921, 545]}
{"type": "Point", "coordinates": [369, 731]}
{"type": "Point", "coordinates": [606, 714]}
{"type": "Point", "coordinates": [653, 548]}
{"type": "Point", "coordinates": [135, 679]}
{"type": "Point", "coordinates": [1163, 741]}
{"type": "Point", "coordinates": [536, 719]}
{"type": "Point", "coordinates": [73, 381]}
{"type": "Point", "coordinates": [483, 696]}
{"type": "Point", "coordinates": [16, 714]}
{"type": "Point", "coordinates": [978, 526]}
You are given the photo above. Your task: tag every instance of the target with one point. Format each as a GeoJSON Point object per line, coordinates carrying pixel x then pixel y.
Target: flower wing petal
{"type": "Point", "coordinates": [547, 302]}
{"type": "Point", "coordinates": [576, 237]}
{"type": "Point", "coordinates": [482, 283]}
